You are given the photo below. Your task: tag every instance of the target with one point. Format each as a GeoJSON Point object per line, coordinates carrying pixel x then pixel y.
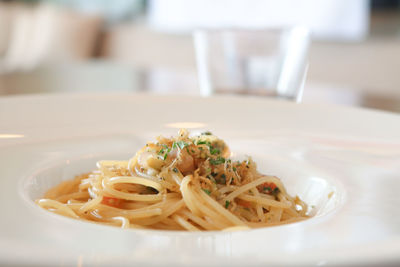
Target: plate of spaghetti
{"type": "Point", "coordinates": [122, 180]}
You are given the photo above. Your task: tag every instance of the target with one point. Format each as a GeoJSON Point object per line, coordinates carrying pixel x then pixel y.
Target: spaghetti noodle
{"type": "Point", "coordinates": [177, 183]}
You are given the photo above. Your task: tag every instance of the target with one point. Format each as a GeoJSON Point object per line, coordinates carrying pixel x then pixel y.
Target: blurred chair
{"type": "Point", "coordinates": [33, 35]}
{"type": "Point", "coordinates": [6, 14]}
{"type": "Point", "coordinates": [48, 48]}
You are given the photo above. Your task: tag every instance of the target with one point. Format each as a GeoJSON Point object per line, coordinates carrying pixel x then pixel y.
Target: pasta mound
{"type": "Point", "coordinates": [179, 183]}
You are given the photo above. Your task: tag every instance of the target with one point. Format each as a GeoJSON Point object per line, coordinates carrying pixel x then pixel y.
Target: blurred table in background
{"type": "Point", "coordinates": [77, 76]}
{"type": "Point", "coordinates": [108, 76]}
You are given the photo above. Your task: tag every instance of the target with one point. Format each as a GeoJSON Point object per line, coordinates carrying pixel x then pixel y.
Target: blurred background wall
{"type": "Point", "coordinates": [139, 45]}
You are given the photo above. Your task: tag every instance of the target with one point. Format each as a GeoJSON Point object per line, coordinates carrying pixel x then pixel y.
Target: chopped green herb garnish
{"type": "Point", "coordinates": [267, 189]}
{"type": "Point", "coordinates": [223, 179]}
{"type": "Point", "coordinates": [227, 203]}
{"type": "Point", "coordinates": [201, 142]}
{"type": "Point", "coordinates": [180, 144]}
{"type": "Point", "coordinates": [214, 151]}
{"type": "Point", "coordinates": [217, 161]}
{"type": "Point", "coordinates": [206, 133]}
{"type": "Point", "coordinates": [165, 152]}
{"type": "Point", "coordinates": [234, 169]}
{"type": "Point", "coordinates": [207, 191]}
{"type": "Point", "coordinates": [276, 191]}
{"type": "Point", "coordinates": [175, 170]}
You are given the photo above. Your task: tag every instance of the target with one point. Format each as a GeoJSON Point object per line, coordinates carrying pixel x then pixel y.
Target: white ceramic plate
{"type": "Point", "coordinates": [343, 161]}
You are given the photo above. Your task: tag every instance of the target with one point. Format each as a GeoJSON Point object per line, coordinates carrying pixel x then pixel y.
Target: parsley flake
{"type": "Point", "coordinates": [214, 151]}
{"type": "Point", "coordinates": [223, 178]}
{"type": "Point", "coordinates": [217, 161]}
{"type": "Point", "coordinates": [180, 144]}
{"type": "Point", "coordinates": [276, 191]}
{"type": "Point", "coordinates": [207, 191]}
